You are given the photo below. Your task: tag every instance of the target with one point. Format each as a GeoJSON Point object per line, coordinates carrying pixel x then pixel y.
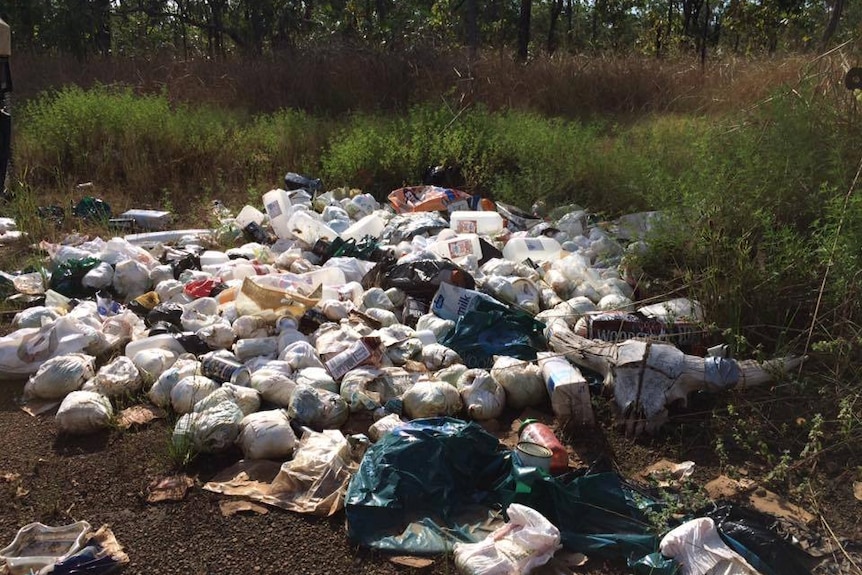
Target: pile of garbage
{"type": "Point", "coordinates": [415, 317]}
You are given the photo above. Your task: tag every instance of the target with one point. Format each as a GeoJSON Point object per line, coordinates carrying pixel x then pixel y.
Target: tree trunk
{"type": "Point", "coordinates": [834, 18]}
{"type": "Point", "coordinates": [556, 10]}
{"type": "Point", "coordinates": [472, 21]}
{"type": "Point", "coordinates": [524, 28]}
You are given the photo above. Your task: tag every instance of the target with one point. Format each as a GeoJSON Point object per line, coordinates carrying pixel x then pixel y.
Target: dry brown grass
{"type": "Point", "coordinates": [337, 81]}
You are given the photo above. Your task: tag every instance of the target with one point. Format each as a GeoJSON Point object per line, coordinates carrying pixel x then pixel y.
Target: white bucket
{"type": "Point", "coordinates": [534, 455]}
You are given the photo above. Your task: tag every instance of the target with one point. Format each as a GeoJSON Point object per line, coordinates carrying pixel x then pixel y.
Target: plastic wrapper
{"type": "Point", "coordinates": [59, 376]}
{"type": "Point", "coordinates": [376, 298]}
{"type": "Point", "coordinates": [615, 302]}
{"type": "Point", "coordinates": [520, 292]}
{"type": "Point", "coordinates": [251, 326]}
{"type": "Point", "coordinates": [316, 377]}
{"type": "Point", "coordinates": [317, 408]}
{"type": "Point", "coordinates": [274, 386]}
{"type": "Point", "coordinates": [116, 379]}
{"type": "Point", "coordinates": [432, 398]}
{"type": "Point", "coordinates": [190, 390]}
{"type": "Point", "coordinates": [436, 357]}
{"type": "Point", "coordinates": [385, 317]}
{"type": "Point", "coordinates": [209, 431]}
{"type": "Point", "coordinates": [256, 297]}
{"type": "Point", "coordinates": [420, 279]}
{"type": "Point", "coordinates": [171, 291]}
{"type": "Point", "coordinates": [160, 392]}
{"type": "Point", "coordinates": [358, 391]}
{"type": "Point", "coordinates": [483, 397]}
{"type": "Point", "coordinates": [353, 269]}
{"type": "Point", "coordinates": [266, 435]}
{"type": "Point", "coordinates": [404, 351]}
{"type": "Point", "coordinates": [336, 310]}
{"type": "Point", "coordinates": [522, 381]}
{"type": "Point", "coordinates": [84, 412]}
{"type": "Point", "coordinates": [527, 541]}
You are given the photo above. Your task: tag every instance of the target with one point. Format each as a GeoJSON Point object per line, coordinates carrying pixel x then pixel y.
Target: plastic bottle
{"type": "Point", "coordinates": [467, 222]}
{"type": "Point", "coordinates": [567, 388]}
{"type": "Point", "coordinates": [370, 225]}
{"type": "Point", "coordinates": [458, 248]}
{"type": "Point", "coordinates": [310, 229]}
{"type": "Point", "coordinates": [277, 206]}
{"type": "Point", "coordinates": [535, 249]}
{"type": "Point", "coordinates": [534, 432]}
{"type": "Point", "coordinates": [248, 215]}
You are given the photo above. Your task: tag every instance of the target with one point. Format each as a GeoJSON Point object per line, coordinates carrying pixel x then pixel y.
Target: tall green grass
{"type": "Point", "coordinates": [752, 201]}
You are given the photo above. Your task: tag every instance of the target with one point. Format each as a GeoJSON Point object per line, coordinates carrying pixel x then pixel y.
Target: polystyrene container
{"type": "Point", "coordinates": [458, 248]}
{"type": "Point", "coordinates": [277, 206]}
{"type": "Point", "coordinates": [310, 229]}
{"type": "Point", "coordinates": [161, 341]}
{"type": "Point", "coordinates": [370, 225]}
{"type": "Point", "coordinates": [536, 249]}
{"type": "Point", "coordinates": [468, 222]}
{"type": "Point", "coordinates": [248, 215]}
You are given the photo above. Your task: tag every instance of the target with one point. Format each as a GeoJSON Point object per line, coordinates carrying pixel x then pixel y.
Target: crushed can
{"type": "Point", "coordinates": [224, 369]}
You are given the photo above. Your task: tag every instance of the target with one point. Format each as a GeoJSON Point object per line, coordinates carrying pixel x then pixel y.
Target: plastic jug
{"type": "Point", "coordinates": [277, 206]}
{"type": "Point", "coordinates": [162, 341]}
{"type": "Point", "coordinates": [468, 222]}
{"type": "Point", "coordinates": [248, 215]}
{"type": "Point", "coordinates": [309, 229]}
{"type": "Point", "coordinates": [213, 258]}
{"type": "Point", "coordinates": [535, 249]}
{"type": "Point", "coordinates": [458, 248]}
{"type": "Point", "coordinates": [370, 225]}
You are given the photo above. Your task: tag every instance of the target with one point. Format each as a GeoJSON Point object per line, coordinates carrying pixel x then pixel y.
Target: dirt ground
{"type": "Point", "coordinates": [102, 478]}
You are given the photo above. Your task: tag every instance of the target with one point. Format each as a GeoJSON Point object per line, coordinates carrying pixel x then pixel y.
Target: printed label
{"type": "Point", "coordinates": [347, 360]}
{"type": "Point", "coordinates": [533, 245]}
{"type": "Point", "coordinates": [460, 248]}
{"type": "Point", "coordinates": [466, 227]}
{"type": "Point", "coordinates": [273, 208]}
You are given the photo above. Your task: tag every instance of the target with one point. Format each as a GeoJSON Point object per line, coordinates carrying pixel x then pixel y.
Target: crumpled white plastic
{"type": "Point", "coordinates": [698, 548]}
{"type": "Point", "coordinates": [527, 541]}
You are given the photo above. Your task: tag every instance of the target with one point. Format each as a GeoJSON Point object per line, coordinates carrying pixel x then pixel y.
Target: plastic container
{"type": "Point", "coordinates": [161, 341]}
{"type": "Point", "coordinates": [370, 225]}
{"type": "Point", "coordinates": [534, 455]}
{"type": "Point", "coordinates": [534, 432]}
{"type": "Point", "coordinates": [37, 545]}
{"type": "Point", "coordinates": [487, 223]}
{"type": "Point", "coordinates": [249, 215]}
{"type": "Point", "coordinates": [568, 390]}
{"type": "Point", "coordinates": [213, 258]}
{"type": "Point", "coordinates": [277, 206]}
{"type": "Point", "coordinates": [535, 249]}
{"type": "Point", "coordinates": [458, 248]}
{"type": "Point", "coordinates": [310, 229]}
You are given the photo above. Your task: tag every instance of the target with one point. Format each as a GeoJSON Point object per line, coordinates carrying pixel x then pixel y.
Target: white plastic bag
{"type": "Point", "coordinates": [527, 541]}
{"type": "Point", "coordinates": [116, 379]}
{"type": "Point", "coordinates": [209, 431]}
{"type": "Point", "coordinates": [317, 408]}
{"type": "Point", "coordinates": [355, 389]}
{"type": "Point", "coordinates": [437, 356]}
{"type": "Point", "coordinates": [383, 426]}
{"type": "Point", "coordinates": [432, 398]}
{"type": "Point", "coordinates": [483, 397]}
{"type": "Point", "coordinates": [245, 349]}
{"type": "Point", "coordinates": [316, 377]}
{"type": "Point", "coordinates": [151, 363]}
{"type": "Point", "coordinates": [217, 335]}
{"type": "Point", "coordinates": [436, 325]}
{"type": "Point", "coordinates": [160, 392]}
{"type": "Point", "coordinates": [99, 277]}
{"type": "Point", "coordinates": [84, 412]}
{"type": "Point", "coordinates": [59, 376]}
{"type": "Point", "coordinates": [131, 279]}
{"type": "Point", "coordinates": [522, 381]}
{"type": "Point", "coordinates": [246, 398]}
{"type": "Point", "coordinates": [190, 390]}
{"type": "Point", "coordinates": [299, 355]}
{"type": "Point", "coordinates": [274, 386]}
{"type": "Point", "coordinates": [34, 317]}
{"type": "Point", "coordinates": [699, 549]}
{"type": "Point", "coordinates": [266, 435]}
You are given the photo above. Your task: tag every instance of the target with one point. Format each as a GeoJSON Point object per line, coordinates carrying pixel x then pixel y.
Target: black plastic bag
{"type": "Point", "coordinates": [420, 279]}
{"type": "Point", "coordinates": [165, 312]}
{"type": "Point", "coordinates": [754, 536]}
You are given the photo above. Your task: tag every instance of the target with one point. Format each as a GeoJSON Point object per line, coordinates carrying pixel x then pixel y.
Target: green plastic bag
{"type": "Point", "coordinates": [66, 277]}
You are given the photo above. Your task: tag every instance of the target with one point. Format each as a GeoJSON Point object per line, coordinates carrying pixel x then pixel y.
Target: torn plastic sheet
{"type": "Point", "coordinates": [398, 502]}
